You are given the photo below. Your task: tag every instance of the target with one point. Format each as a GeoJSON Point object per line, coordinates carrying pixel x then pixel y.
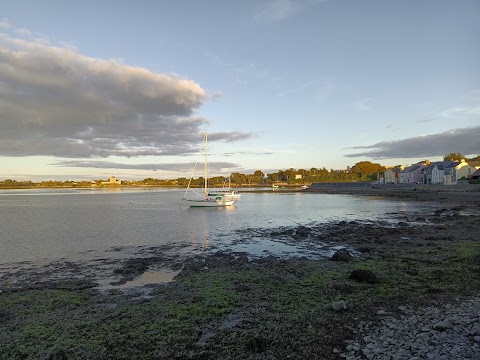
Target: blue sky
{"type": "Point", "coordinates": [97, 88]}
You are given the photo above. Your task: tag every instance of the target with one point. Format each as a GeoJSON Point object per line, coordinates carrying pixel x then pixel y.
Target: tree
{"type": "Point", "coordinates": [182, 181]}
{"type": "Point", "coordinates": [290, 175]}
{"type": "Point", "coordinates": [238, 178]}
{"type": "Point", "coordinates": [454, 156]}
{"type": "Point", "coordinates": [257, 177]}
{"type": "Point", "coordinates": [365, 169]}
{"type": "Point", "coordinates": [323, 174]}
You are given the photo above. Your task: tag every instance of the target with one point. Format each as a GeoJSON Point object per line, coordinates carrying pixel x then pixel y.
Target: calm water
{"type": "Point", "coordinates": [45, 225]}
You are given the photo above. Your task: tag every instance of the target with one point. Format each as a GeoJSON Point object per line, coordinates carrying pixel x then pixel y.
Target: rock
{"type": "Point", "coordinates": [412, 336]}
{"type": "Point", "coordinates": [302, 232]}
{"type": "Point", "coordinates": [341, 255]}
{"type": "Point", "coordinates": [339, 305]}
{"type": "Point", "coordinates": [362, 275]}
{"type": "Point", "coordinates": [443, 325]}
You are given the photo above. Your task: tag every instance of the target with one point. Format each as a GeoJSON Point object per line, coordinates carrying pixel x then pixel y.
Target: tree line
{"type": "Point", "coordinates": [361, 171]}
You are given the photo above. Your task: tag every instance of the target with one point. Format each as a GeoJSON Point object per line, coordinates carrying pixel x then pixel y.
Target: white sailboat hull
{"type": "Point", "coordinates": [210, 202]}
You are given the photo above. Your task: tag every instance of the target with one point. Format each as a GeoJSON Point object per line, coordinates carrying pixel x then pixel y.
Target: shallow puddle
{"type": "Point", "coordinates": [147, 278]}
{"type": "Point", "coordinates": [153, 277]}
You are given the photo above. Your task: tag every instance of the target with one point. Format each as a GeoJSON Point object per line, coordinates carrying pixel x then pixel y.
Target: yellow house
{"type": "Point", "coordinates": [392, 175]}
{"type": "Point", "coordinates": [458, 171]}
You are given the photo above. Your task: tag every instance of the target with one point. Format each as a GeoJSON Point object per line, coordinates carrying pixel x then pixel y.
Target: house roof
{"type": "Point", "coordinates": [441, 165]}
{"type": "Point", "coordinates": [412, 168]}
{"type": "Point", "coordinates": [431, 165]}
{"type": "Point", "coordinates": [476, 173]}
{"type": "Point", "coordinates": [452, 164]}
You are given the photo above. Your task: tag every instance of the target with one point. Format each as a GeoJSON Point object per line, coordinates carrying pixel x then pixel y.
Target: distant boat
{"type": "Point", "coordinates": [304, 187]}
{"type": "Point", "coordinates": [208, 199]}
{"type": "Point", "coordinates": [227, 193]}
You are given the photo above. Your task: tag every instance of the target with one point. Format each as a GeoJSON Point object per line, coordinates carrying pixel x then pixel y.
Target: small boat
{"type": "Point", "coordinates": [227, 193]}
{"type": "Point", "coordinates": [208, 199]}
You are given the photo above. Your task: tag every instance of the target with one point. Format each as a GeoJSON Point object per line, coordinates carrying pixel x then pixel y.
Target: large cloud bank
{"type": "Point", "coordinates": [57, 102]}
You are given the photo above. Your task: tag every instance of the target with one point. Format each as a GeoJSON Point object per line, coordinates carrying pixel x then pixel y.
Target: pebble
{"type": "Point", "coordinates": [450, 331]}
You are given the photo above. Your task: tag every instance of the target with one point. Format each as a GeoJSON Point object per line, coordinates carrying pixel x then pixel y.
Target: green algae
{"type": "Point", "coordinates": [246, 310]}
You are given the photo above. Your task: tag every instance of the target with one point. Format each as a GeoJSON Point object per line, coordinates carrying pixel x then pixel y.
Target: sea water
{"type": "Point", "coordinates": [52, 224]}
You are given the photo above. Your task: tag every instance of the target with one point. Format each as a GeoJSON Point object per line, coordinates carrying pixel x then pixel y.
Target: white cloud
{"type": "Point", "coordinates": [4, 24]}
{"type": "Point", "coordinates": [467, 108]}
{"type": "Point", "coordinates": [57, 102]}
{"type": "Point", "coordinates": [23, 32]}
{"type": "Point", "coordinates": [296, 89]}
{"type": "Point", "coordinates": [245, 71]}
{"type": "Point", "coordinates": [278, 10]}
{"type": "Point", "coordinates": [457, 112]}
{"type": "Point", "coordinates": [171, 167]}
{"type": "Point", "coordinates": [363, 104]}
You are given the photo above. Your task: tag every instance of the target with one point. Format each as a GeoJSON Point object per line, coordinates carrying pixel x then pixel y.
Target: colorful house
{"type": "Point", "coordinates": [411, 174]}
{"type": "Point", "coordinates": [457, 171]}
{"type": "Point", "coordinates": [392, 175]}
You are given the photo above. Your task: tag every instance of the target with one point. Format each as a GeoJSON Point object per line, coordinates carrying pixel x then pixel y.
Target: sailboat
{"type": "Point", "coordinates": [208, 200]}
{"type": "Point", "coordinates": [227, 193]}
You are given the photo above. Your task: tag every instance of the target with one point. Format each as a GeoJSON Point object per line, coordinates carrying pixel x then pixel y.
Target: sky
{"type": "Point", "coordinates": [90, 89]}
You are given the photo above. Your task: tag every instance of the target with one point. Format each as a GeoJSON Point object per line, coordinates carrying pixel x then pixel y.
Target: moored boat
{"type": "Point", "coordinates": [208, 199]}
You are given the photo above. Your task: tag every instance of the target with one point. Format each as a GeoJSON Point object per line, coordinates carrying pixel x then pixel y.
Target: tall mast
{"type": "Point", "coordinates": [206, 164]}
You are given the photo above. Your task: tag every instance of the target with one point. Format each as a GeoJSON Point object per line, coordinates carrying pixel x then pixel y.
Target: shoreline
{"type": "Point", "coordinates": [227, 306]}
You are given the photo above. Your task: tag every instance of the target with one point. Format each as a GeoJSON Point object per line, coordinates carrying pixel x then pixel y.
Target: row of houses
{"type": "Point", "coordinates": [439, 172]}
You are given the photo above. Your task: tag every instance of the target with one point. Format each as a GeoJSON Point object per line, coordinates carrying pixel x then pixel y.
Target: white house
{"type": "Point", "coordinates": [437, 175]}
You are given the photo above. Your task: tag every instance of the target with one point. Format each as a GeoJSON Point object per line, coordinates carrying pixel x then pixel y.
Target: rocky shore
{"type": "Point", "coordinates": [405, 288]}
{"type": "Point", "coordinates": [443, 331]}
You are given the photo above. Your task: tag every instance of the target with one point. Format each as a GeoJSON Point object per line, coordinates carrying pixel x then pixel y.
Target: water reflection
{"type": "Point", "coordinates": [54, 226]}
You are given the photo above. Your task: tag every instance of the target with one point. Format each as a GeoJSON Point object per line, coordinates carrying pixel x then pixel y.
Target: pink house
{"type": "Point", "coordinates": [411, 174]}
